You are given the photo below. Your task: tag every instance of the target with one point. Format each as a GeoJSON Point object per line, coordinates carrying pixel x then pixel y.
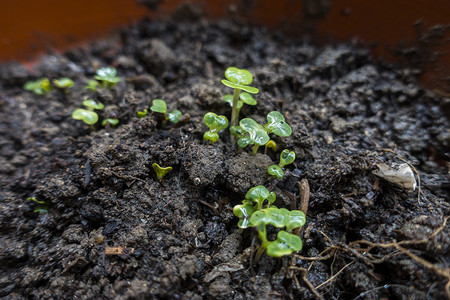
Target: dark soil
{"type": "Point", "coordinates": [179, 237]}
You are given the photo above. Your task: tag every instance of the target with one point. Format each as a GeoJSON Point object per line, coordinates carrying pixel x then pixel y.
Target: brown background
{"type": "Point", "coordinates": [415, 32]}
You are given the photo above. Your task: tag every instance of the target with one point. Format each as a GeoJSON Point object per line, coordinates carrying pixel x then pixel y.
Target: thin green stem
{"type": "Point", "coordinates": [255, 149]}
{"type": "Point", "coordinates": [235, 113]}
{"type": "Point", "coordinates": [262, 233]}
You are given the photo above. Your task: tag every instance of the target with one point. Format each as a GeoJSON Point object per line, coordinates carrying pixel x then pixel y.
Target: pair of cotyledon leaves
{"type": "Point", "coordinates": [259, 134]}
{"type": "Point", "coordinates": [287, 157]}
{"type": "Point", "coordinates": [160, 106]}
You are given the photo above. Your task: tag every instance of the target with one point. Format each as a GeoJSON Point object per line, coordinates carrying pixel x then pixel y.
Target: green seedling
{"type": "Point", "coordinates": [91, 85]}
{"type": "Point", "coordinates": [88, 116]}
{"type": "Point", "coordinates": [63, 84]}
{"type": "Point", "coordinates": [160, 172]}
{"type": "Point", "coordinates": [258, 135]}
{"type": "Point", "coordinates": [159, 106]}
{"type": "Point", "coordinates": [107, 77]}
{"type": "Point", "coordinates": [239, 80]}
{"type": "Point", "coordinates": [42, 207]}
{"type": "Point", "coordinates": [256, 198]}
{"type": "Point", "coordinates": [287, 157]}
{"type": "Point", "coordinates": [286, 241]}
{"type": "Point", "coordinates": [142, 114]}
{"type": "Point", "coordinates": [243, 98]}
{"type": "Point", "coordinates": [39, 87]}
{"type": "Point", "coordinates": [111, 121]}
{"type": "Point", "coordinates": [216, 124]}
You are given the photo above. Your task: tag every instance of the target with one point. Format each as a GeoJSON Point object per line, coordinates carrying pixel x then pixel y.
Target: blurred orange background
{"type": "Point", "coordinates": [415, 32]}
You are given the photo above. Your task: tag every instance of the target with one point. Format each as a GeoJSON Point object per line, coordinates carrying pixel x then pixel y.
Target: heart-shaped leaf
{"type": "Point", "coordinates": [63, 83]}
{"type": "Point", "coordinates": [174, 116]}
{"type": "Point", "coordinates": [285, 244]}
{"type": "Point", "coordinates": [111, 121]}
{"type": "Point", "coordinates": [273, 216]}
{"type": "Point", "coordinates": [211, 136]}
{"type": "Point", "coordinates": [239, 76]}
{"type": "Point", "coordinates": [215, 122]}
{"type": "Point", "coordinates": [276, 171]}
{"type": "Point", "coordinates": [295, 219]}
{"type": "Point", "coordinates": [247, 98]}
{"type": "Point", "coordinates": [106, 72]}
{"type": "Point", "coordinates": [257, 133]}
{"type": "Point", "coordinates": [92, 104]}
{"type": "Point", "coordinates": [160, 171]}
{"type": "Point", "coordinates": [243, 212]}
{"type": "Point", "coordinates": [277, 125]}
{"type": "Point", "coordinates": [287, 157]}
{"type": "Point", "coordinates": [89, 117]}
{"type": "Point", "coordinates": [159, 106]}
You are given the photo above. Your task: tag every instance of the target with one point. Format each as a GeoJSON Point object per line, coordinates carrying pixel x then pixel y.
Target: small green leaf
{"type": "Point", "coordinates": [271, 199]}
{"type": "Point", "coordinates": [160, 172]}
{"type": "Point", "coordinates": [271, 144]}
{"type": "Point", "coordinates": [285, 244]}
{"type": "Point", "coordinates": [89, 117]}
{"type": "Point", "coordinates": [215, 122]}
{"type": "Point", "coordinates": [211, 136]}
{"type": "Point", "coordinates": [243, 212]}
{"type": "Point", "coordinates": [287, 157]}
{"type": "Point", "coordinates": [276, 171]}
{"type": "Point", "coordinates": [92, 104]}
{"type": "Point", "coordinates": [174, 116]}
{"type": "Point", "coordinates": [107, 76]}
{"type": "Point", "coordinates": [236, 131]}
{"type": "Point", "coordinates": [277, 125]}
{"type": "Point", "coordinates": [39, 87]}
{"type": "Point", "coordinates": [111, 121]}
{"type": "Point", "coordinates": [257, 133]}
{"type": "Point", "coordinates": [106, 72]}
{"type": "Point", "coordinates": [35, 200]}
{"type": "Point", "coordinates": [295, 219]}
{"type": "Point", "coordinates": [229, 99]}
{"type": "Point", "coordinates": [247, 98]}
{"type": "Point", "coordinates": [258, 194]}
{"type": "Point", "coordinates": [142, 114]}
{"type": "Point", "coordinates": [244, 141]}
{"type": "Point", "coordinates": [63, 83]}
{"type": "Point", "coordinates": [248, 89]}
{"type": "Point", "coordinates": [159, 106]}
{"type": "Point", "coordinates": [239, 76]}
{"type": "Point", "coordinates": [91, 85]}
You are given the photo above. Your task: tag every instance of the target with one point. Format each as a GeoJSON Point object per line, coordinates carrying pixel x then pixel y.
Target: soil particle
{"type": "Point", "coordinates": [157, 56]}
{"type": "Point", "coordinates": [206, 163]}
{"type": "Point", "coordinates": [242, 170]}
{"type": "Point", "coordinates": [228, 249]}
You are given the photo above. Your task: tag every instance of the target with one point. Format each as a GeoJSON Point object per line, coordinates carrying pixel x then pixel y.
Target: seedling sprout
{"type": "Point", "coordinates": [111, 121]}
{"type": "Point", "coordinates": [63, 84]}
{"type": "Point", "coordinates": [107, 77]}
{"type": "Point", "coordinates": [286, 241]}
{"type": "Point", "coordinates": [142, 114]}
{"type": "Point", "coordinates": [216, 124]}
{"type": "Point", "coordinates": [287, 157]}
{"type": "Point", "coordinates": [91, 85]}
{"type": "Point", "coordinates": [160, 106]}
{"type": "Point", "coordinates": [39, 87]}
{"type": "Point", "coordinates": [88, 116]}
{"type": "Point", "coordinates": [258, 135]}
{"type": "Point", "coordinates": [160, 172]}
{"type": "Point", "coordinates": [239, 80]}
{"type": "Point", "coordinates": [42, 207]}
